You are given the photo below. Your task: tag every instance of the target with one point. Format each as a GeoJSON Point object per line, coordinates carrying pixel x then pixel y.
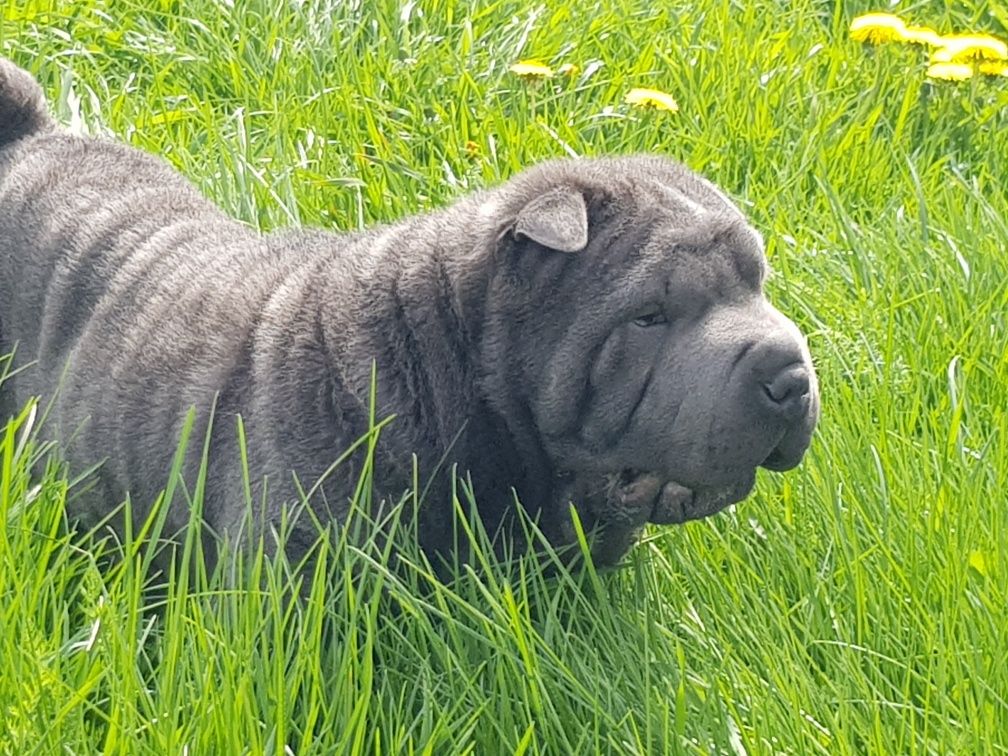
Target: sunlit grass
{"type": "Point", "coordinates": [854, 606]}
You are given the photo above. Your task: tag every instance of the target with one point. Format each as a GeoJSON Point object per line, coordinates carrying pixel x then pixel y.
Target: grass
{"type": "Point", "coordinates": [856, 605]}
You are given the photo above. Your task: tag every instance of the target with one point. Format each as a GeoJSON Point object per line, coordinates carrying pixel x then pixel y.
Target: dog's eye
{"type": "Point", "coordinates": [653, 317]}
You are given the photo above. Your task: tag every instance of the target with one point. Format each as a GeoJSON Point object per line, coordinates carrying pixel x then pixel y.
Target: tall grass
{"type": "Point", "coordinates": [856, 605]}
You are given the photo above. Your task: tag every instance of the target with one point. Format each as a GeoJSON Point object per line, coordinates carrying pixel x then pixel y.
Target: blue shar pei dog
{"type": "Point", "coordinates": [591, 334]}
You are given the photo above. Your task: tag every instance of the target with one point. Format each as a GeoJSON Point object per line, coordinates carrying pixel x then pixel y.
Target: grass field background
{"type": "Point", "coordinates": [856, 605]}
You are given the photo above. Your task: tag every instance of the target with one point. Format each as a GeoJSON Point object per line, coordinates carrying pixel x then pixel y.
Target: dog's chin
{"type": "Point", "coordinates": [675, 503]}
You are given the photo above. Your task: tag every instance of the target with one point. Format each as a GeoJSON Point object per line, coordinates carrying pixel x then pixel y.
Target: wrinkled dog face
{"type": "Point", "coordinates": [650, 357]}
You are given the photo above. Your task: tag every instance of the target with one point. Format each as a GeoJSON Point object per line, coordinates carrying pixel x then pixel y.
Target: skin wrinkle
{"type": "Point", "coordinates": [423, 397]}
{"type": "Point", "coordinates": [151, 267]}
{"type": "Point", "coordinates": [160, 302]}
{"type": "Point", "coordinates": [147, 341]}
{"type": "Point", "coordinates": [334, 350]}
{"type": "Point", "coordinates": [129, 455]}
{"type": "Point", "coordinates": [748, 255]}
{"type": "Point", "coordinates": [434, 341]}
{"type": "Point", "coordinates": [332, 383]}
{"type": "Point", "coordinates": [76, 305]}
{"type": "Point", "coordinates": [461, 326]}
{"type": "Point", "coordinates": [584, 408]}
{"type": "Point", "coordinates": [675, 407]}
{"type": "Point", "coordinates": [312, 346]}
{"type": "Point", "coordinates": [405, 353]}
{"type": "Point", "coordinates": [631, 417]}
{"type": "Point", "coordinates": [456, 335]}
{"type": "Point", "coordinates": [131, 285]}
{"type": "Point", "coordinates": [611, 436]}
{"type": "Point", "coordinates": [72, 305]}
{"type": "Point", "coordinates": [23, 194]}
{"type": "Point", "coordinates": [270, 337]}
{"type": "Point", "coordinates": [746, 348]}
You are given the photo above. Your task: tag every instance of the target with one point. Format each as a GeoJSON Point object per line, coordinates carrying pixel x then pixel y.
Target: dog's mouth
{"type": "Point", "coordinates": [672, 503]}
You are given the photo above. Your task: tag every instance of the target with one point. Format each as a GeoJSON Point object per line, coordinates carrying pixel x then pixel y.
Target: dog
{"type": "Point", "coordinates": [592, 333]}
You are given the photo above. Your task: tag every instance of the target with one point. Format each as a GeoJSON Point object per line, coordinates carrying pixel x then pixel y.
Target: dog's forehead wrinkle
{"type": "Point", "coordinates": [674, 203]}
{"type": "Point", "coordinates": [749, 267]}
{"type": "Point", "coordinates": [719, 253]}
{"type": "Point", "coordinates": [743, 246]}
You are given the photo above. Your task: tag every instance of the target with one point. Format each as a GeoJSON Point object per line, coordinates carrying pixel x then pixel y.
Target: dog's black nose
{"type": "Point", "coordinates": [787, 393]}
{"type": "Point", "coordinates": [779, 378]}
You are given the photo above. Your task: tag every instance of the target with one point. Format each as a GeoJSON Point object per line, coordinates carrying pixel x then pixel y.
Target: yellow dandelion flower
{"type": "Point", "coordinates": [877, 28]}
{"type": "Point", "coordinates": [950, 71]}
{"type": "Point", "coordinates": [960, 47]}
{"type": "Point", "coordinates": [651, 98]}
{"type": "Point", "coordinates": [472, 149]}
{"type": "Point", "coordinates": [569, 70]}
{"type": "Point", "coordinates": [994, 68]}
{"type": "Point", "coordinates": [531, 70]}
{"type": "Point", "coordinates": [921, 35]}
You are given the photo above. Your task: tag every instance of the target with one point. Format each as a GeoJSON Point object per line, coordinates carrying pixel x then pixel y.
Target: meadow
{"type": "Point", "coordinates": [858, 604]}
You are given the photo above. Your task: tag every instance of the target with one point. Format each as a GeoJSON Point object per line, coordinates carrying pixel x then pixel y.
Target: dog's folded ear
{"type": "Point", "coordinates": [557, 219]}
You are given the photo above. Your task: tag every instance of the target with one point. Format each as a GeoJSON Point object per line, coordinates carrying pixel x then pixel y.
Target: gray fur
{"type": "Point", "coordinates": [503, 330]}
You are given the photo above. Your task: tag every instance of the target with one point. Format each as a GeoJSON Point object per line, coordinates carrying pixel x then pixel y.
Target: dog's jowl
{"type": "Point", "coordinates": [592, 331]}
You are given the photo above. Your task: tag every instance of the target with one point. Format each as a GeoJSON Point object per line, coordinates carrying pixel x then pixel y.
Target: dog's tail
{"type": "Point", "coordinates": [23, 110]}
